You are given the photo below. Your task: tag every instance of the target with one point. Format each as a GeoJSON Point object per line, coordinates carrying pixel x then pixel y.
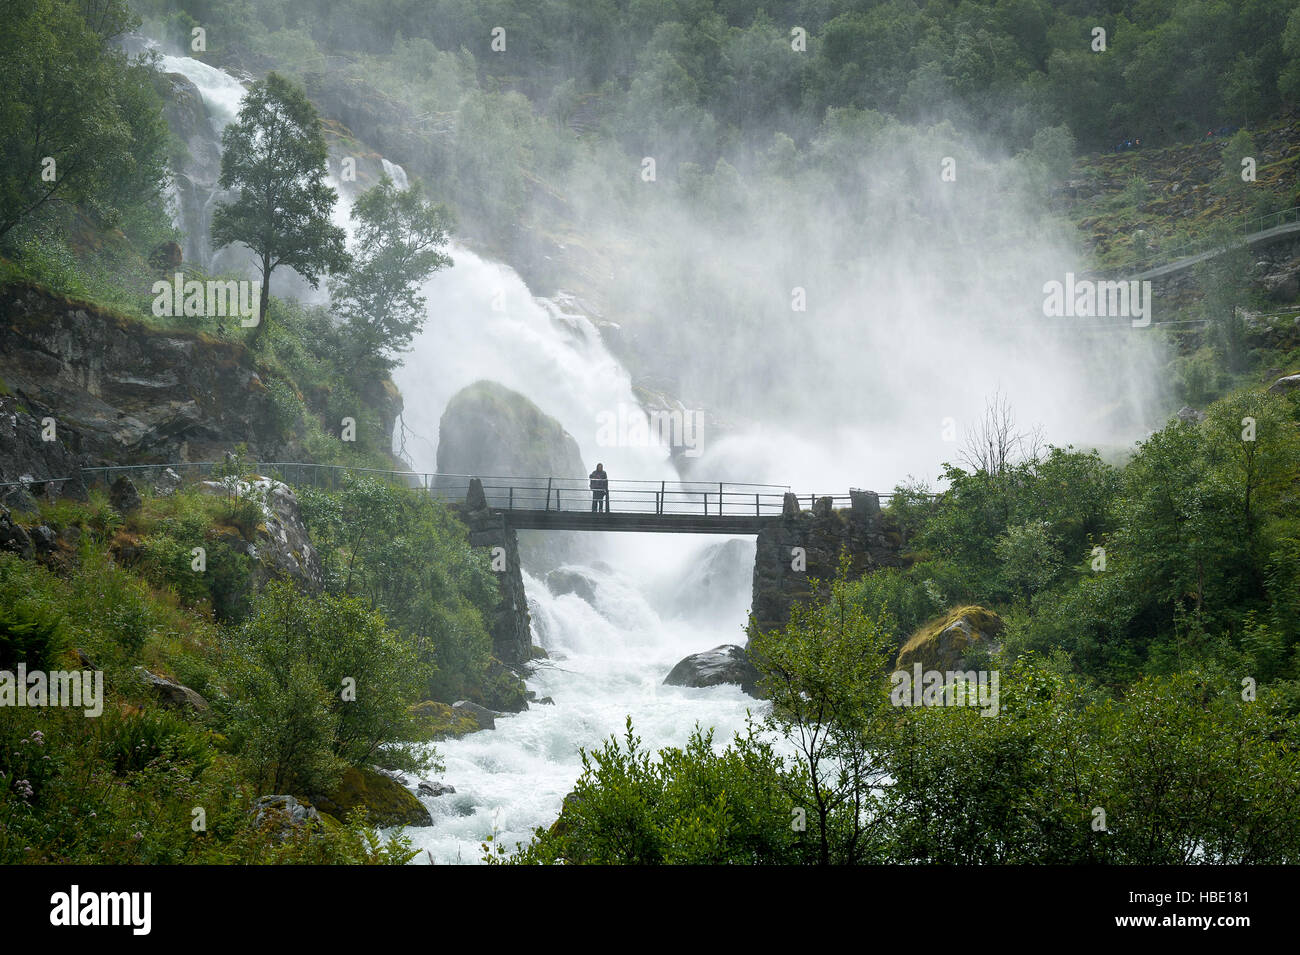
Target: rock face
{"type": "Point", "coordinates": [26, 456]}
{"type": "Point", "coordinates": [119, 390]}
{"type": "Point", "coordinates": [947, 643]}
{"type": "Point", "coordinates": [387, 802]}
{"type": "Point", "coordinates": [489, 430]}
{"type": "Point", "coordinates": [724, 664]}
{"type": "Point", "coordinates": [783, 575]}
{"type": "Point", "coordinates": [282, 547]}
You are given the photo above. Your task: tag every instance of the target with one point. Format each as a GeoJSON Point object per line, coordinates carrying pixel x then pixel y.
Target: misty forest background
{"type": "Point", "coordinates": [1164, 689]}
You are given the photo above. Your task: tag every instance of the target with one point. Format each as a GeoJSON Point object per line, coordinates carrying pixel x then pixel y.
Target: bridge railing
{"type": "Point", "coordinates": [1249, 226]}
{"type": "Point", "coordinates": [707, 498]}
{"type": "Point", "coordinates": [624, 496]}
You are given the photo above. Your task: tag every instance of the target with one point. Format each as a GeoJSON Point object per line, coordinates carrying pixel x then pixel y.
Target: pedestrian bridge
{"type": "Point", "coordinates": [670, 507]}
{"type": "Point", "coordinates": [538, 503]}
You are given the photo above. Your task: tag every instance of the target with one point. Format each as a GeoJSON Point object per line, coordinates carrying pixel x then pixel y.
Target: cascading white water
{"type": "Point", "coordinates": [609, 654]}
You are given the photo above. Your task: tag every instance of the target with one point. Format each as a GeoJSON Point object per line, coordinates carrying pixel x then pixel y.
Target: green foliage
{"type": "Point", "coordinates": [410, 559]}
{"type": "Point", "coordinates": [822, 672]}
{"type": "Point", "coordinates": [1180, 770]}
{"type": "Point", "coordinates": [399, 240]}
{"type": "Point", "coordinates": [133, 742]}
{"type": "Point", "coordinates": [691, 806]}
{"type": "Point", "coordinates": [31, 631]}
{"type": "Point", "coordinates": [72, 97]}
{"type": "Point", "coordinates": [274, 157]}
{"type": "Point", "coordinates": [316, 683]}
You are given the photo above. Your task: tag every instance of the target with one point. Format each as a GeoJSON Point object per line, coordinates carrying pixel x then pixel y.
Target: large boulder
{"type": "Point", "coordinates": [725, 664]}
{"type": "Point", "coordinates": [281, 546]}
{"type": "Point", "coordinates": [283, 814]}
{"type": "Point", "coordinates": [386, 801]}
{"type": "Point", "coordinates": [948, 642]}
{"type": "Point", "coordinates": [570, 580]}
{"type": "Point", "coordinates": [14, 537]}
{"type": "Point", "coordinates": [123, 495]}
{"type": "Point", "coordinates": [172, 694]}
{"type": "Point", "coordinates": [485, 718]}
{"type": "Point", "coordinates": [489, 430]}
{"type": "Point", "coordinates": [1284, 384]}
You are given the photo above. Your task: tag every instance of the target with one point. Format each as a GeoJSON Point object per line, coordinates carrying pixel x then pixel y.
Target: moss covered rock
{"type": "Point", "coordinates": [489, 430]}
{"type": "Point", "coordinates": [437, 721]}
{"type": "Point", "coordinates": [946, 642]}
{"type": "Point", "coordinates": [386, 801]}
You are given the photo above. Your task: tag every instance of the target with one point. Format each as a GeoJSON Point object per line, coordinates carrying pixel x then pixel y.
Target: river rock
{"type": "Point", "coordinates": [485, 718]}
{"type": "Point", "coordinates": [386, 801]}
{"type": "Point", "coordinates": [567, 580]}
{"type": "Point", "coordinates": [427, 788]}
{"type": "Point", "coordinates": [725, 664]}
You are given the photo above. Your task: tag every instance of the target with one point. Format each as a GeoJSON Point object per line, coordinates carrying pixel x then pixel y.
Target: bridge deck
{"type": "Point", "coordinates": [614, 521]}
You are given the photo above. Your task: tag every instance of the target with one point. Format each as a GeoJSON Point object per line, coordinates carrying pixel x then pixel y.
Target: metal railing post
{"type": "Point", "coordinates": [548, 493]}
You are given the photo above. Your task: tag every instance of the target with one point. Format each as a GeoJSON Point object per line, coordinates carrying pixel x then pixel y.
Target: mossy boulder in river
{"type": "Point", "coordinates": [489, 430]}
{"type": "Point", "coordinates": [386, 801]}
{"type": "Point", "coordinates": [948, 642]}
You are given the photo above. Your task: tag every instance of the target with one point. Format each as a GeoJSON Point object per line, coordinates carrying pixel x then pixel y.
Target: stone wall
{"type": "Point", "coordinates": [780, 578]}
{"type": "Point", "coordinates": [510, 625]}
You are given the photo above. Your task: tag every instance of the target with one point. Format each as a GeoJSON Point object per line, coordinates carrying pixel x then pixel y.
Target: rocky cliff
{"type": "Point", "coordinates": [122, 392]}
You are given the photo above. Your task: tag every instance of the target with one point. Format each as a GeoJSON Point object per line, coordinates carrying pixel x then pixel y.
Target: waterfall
{"type": "Point", "coordinates": [609, 655]}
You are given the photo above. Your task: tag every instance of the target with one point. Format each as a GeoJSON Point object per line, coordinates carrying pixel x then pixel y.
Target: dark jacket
{"type": "Point", "coordinates": [599, 480]}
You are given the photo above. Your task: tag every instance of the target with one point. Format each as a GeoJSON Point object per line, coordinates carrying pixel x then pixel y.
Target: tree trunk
{"type": "Point", "coordinates": [265, 300]}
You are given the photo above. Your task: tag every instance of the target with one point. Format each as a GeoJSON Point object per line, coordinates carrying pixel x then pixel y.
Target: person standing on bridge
{"type": "Point", "coordinates": [599, 489]}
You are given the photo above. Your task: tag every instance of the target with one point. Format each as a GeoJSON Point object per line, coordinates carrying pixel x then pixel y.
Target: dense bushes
{"type": "Point", "coordinates": [1179, 769]}
{"type": "Point", "coordinates": [300, 685]}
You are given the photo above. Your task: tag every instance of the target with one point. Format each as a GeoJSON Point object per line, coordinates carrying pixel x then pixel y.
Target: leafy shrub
{"type": "Point", "coordinates": [133, 741]}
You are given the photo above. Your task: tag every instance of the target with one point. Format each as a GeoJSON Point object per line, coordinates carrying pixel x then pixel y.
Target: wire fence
{"type": "Point", "coordinates": [1250, 227]}
{"type": "Point", "coordinates": [506, 493]}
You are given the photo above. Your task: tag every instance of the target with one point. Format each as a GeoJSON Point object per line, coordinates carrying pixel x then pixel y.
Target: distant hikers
{"type": "Point", "coordinates": [599, 489]}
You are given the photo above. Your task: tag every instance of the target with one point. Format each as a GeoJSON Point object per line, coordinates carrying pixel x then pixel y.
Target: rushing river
{"type": "Point", "coordinates": [652, 599]}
